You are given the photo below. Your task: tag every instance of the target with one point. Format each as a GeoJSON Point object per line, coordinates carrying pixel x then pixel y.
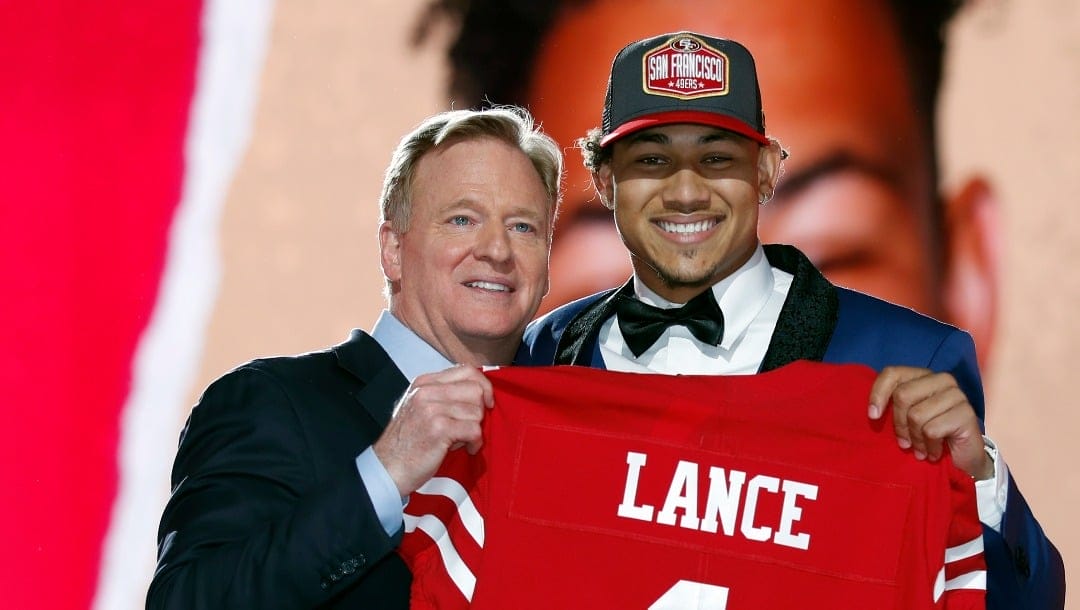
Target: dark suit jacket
{"type": "Point", "coordinates": [823, 322]}
{"type": "Point", "coordinates": [268, 509]}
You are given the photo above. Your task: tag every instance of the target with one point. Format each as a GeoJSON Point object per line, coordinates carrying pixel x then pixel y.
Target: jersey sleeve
{"type": "Point", "coordinates": [961, 582]}
{"type": "Point", "coordinates": [444, 535]}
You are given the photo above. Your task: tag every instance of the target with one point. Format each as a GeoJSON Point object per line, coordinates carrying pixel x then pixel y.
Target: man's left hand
{"type": "Point", "coordinates": [929, 410]}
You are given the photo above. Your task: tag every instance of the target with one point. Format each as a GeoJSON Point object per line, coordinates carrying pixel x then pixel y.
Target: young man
{"type": "Point", "coordinates": [289, 479]}
{"type": "Point", "coordinates": [683, 160]}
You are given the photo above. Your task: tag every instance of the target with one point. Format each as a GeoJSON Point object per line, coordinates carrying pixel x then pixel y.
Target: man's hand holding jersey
{"type": "Point", "coordinates": [929, 411]}
{"type": "Point", "coordinates": [438, 413]}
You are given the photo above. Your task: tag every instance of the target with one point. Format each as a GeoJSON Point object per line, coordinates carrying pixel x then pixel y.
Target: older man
{"type": "Point", "coordinates": [290, 476]}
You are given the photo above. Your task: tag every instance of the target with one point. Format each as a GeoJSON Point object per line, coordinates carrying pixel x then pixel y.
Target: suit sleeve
{"type": "Point", "coordinates": [963, 575]}
{"type": "Point", "coordinates": [246, 526]}
{"type": "Point", "coordinates": [1024, 569]}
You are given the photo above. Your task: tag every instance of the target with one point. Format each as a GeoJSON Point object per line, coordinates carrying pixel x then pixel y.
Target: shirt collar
{"type": "Point", "coordinates": [412, 355]}
{"type": "Point", "coordinates": [741, 295]}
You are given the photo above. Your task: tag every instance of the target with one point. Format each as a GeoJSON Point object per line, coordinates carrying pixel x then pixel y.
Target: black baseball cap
{"type": "Point", "coordinates": [683, 77]}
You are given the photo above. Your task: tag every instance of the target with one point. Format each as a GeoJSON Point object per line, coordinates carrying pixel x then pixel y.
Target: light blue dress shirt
{"type": "Point", "coordinates": [414, 357]}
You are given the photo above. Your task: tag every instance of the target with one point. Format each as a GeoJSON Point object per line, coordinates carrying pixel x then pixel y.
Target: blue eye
{"type": "Point", "coordinates": [460, 221]}
{"type": "Point", "coordinates": [522, 227]}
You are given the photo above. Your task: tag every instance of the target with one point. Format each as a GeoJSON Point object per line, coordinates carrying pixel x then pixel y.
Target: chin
{"type": "Point", "coordinates": [494, 332]}
{"type": "Point", "coordinates": [677, 278]}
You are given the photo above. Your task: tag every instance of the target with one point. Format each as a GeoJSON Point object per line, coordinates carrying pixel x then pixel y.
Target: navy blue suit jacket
{"type": "Point", "coordinates": [268, 509]}
{"type": "Point", "coordinates": [827, 323]}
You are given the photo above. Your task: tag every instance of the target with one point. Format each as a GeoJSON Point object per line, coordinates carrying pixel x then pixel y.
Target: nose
{"type": "Point", "coordinates": [493, 243]}
{"type": "Point", "coordinates": [685, 191]}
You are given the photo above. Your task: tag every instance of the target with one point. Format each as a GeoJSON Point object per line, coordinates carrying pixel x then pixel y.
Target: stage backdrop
{"type": "Point", "coordinates": [185, 186]}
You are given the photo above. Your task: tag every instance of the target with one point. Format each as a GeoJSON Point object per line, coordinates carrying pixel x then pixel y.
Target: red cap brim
{"type": "Point", "coordinates": [685, 116]}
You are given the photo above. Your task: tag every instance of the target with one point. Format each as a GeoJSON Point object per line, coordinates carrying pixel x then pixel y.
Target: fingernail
{"type": "Point", "coordinates": [903, 442]}
{"type": "Point", "coordinates": [875, 411]}
{"type": "Point", "coordinates": [919, 455]}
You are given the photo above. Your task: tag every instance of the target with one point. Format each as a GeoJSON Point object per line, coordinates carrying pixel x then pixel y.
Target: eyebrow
{"type": "Point", "coordinates": [523, 211]}
{"type": "Point", "coordinates": [656, 137]}
{"type": "Point", "coordinates": [834, 163]}
{"type": "Point", "coordinates": [530, 212]}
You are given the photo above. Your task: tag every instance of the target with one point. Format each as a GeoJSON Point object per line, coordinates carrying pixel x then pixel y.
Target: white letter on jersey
{"type": "Point", "coordinates": [682, 494]}
{"type": "Point", "coordinates": [723, 500]}
{"type": "Point", "coordinates": [791, 513]}
{"type": "Point", "coordinates": [628, 509]}
{"type": "Point", "coordinates": [759, 482]}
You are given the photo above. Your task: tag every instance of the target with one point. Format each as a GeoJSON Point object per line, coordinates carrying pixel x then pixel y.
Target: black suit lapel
{"type": "Point", "coordinates": [809, 315]}
{"type": "Point", "coordinates": [584, 329]}
{"type": "Point", "coordinates": [382, 383]}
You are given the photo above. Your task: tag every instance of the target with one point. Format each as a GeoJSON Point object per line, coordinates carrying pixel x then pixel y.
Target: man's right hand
{"type": "Point", "coordinates": [438, 413]}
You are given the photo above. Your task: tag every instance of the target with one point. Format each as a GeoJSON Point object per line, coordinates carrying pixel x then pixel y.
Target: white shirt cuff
{"type": "Point", "coordinates": [993, 493]}
{"type": "Point", "coordinates": [382, 491]}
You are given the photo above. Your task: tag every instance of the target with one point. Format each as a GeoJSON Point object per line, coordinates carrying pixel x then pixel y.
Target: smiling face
{"type": "Point", "coordinates": [856, 195]}
{"type": "Point", "coordinates": [469, 272]}
{"type": "Point", "coordinates": [686, 203]}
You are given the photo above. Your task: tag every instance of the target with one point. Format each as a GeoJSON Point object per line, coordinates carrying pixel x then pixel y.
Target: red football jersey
{"type": "Point", "coordinates": [599, 489]}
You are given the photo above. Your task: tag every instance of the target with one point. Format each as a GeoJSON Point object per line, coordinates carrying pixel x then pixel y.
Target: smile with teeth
{"type": "Point", "coordinates": [488, 286]}
{"type": "Point", "coordinates": [686, 227]}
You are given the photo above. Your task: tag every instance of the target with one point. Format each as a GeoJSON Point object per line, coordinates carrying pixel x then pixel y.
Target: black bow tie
{"type": "Point", "coordinates": [642, 324]}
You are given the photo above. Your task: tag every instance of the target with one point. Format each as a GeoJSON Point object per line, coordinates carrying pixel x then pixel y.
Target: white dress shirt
{"type": "Point", "coordinates": [751, 299]}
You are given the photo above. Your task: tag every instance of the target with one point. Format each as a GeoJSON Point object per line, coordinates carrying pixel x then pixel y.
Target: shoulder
{"type": "Point", "coordinates": [261, 386]}
{"type": "Point", "coordinates": [281, 372]}
{"type": "Point", "coordinates": [556, 320]}
{"type": "Point", "coordinates": [888, 334]}
{"type": "Point", "coordinates": [859, 309]}
{"type": "Point", "coordinates": [542, 335]}
{"type": "Point", "coordinates": [359, 358]}
{"type": "Point", "coordinates": [274, 387]}
{"type": "Point", "coordinates": [857, 313]}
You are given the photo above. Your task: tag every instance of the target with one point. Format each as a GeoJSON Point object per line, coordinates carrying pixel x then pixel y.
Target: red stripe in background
{"type": "Point", "coordinates": [94, 102]}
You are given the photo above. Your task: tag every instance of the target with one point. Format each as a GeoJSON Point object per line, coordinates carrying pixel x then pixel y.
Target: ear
{"type": "Point", "coordinates": [769, 162]}
{"type": "Point", "coordinates": [604, 183]}
{"type": "Point", "coordinates": [390, 252]}
{"type": "Point", "coordinates": [970, 279]}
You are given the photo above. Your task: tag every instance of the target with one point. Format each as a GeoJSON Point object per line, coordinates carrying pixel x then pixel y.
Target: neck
{"type": "Point", "coordinates": [480, 352]}
{"type": "Point", "coordinates": [679, 289]}
{"type": "Point", "coordinates": [459, 347]}
{"type": "Point", "coordinates": [674, 291]}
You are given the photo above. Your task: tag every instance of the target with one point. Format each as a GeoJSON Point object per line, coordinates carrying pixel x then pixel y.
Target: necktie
{"type": "Point", "coordinates": [641, 324]}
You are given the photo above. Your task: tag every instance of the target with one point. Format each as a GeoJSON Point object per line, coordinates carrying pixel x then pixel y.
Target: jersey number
{"type": "Point", "coordinates": [687, 595]}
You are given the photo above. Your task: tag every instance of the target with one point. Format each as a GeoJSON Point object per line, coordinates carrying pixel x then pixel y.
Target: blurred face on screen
{"type": "Point", "coordinates": [856, 194]}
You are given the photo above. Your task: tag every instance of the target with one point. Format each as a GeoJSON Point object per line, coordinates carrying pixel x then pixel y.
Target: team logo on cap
{"type": "Point", "coordinates": [685, 67]}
